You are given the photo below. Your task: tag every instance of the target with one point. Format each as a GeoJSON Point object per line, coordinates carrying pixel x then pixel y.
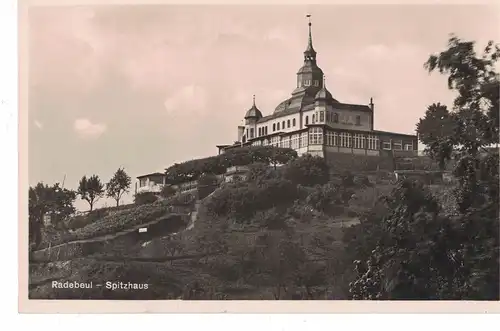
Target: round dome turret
{"type": "Point", "coordinates": [253, 112]}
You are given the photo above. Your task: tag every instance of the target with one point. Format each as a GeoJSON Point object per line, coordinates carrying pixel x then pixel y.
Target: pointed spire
{"type": "Point", "coordinates": [254, 100]}
{"type": "Point", "coordinates": [324, 81]}
{"type": "Point", "coordinates": [309, 42]}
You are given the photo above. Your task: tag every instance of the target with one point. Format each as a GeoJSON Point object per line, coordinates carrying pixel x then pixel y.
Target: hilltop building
{"type": "Point", "coordinates": [312, 121]}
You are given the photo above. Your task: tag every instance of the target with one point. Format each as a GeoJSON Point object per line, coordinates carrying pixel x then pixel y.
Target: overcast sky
{"type": "Point", "coordinates": [142, 87]}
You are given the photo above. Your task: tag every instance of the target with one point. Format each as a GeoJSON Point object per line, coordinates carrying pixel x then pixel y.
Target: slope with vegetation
{"type": "Point", "coordinates": [312, 230]}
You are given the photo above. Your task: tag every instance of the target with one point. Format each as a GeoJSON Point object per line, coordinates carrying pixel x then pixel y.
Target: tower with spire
{"type": "Point", "coordinates": [311, 120]}
{"type": "Point", "coordinates": [309, 76]}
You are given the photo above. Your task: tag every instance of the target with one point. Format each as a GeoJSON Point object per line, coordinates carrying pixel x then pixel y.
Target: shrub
{"type": "Point", "coordinates": [145, 198]}
{"type": "Point", "coordinates": [307, 170]}
{"type": "Point", "coordinates": [167, 191]}
{"type": "Point", "coordinates": [183, 199]}
{"type": "Point", "coordinates": [361, 181]}
{"type": "Point", "coordinates": [207, 183]}
{"type": "Point", "coordinates": [242, 200]}
{"type": "Point", "coordinates": [124, 219]}
{"type": "Point", "coordinates": [192, 170]}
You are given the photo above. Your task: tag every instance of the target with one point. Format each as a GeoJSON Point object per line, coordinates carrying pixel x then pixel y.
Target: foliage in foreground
{"type": "Point", "coordinates": [192, 170]}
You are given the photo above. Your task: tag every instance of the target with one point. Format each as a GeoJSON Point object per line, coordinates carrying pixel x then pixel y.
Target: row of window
{"type": "Point", "coordinates": [284, 124]}
{"type": "Point", "coordinates": [330, 118]}
{"type": "Point", "coordinates": [343, 139]}
{"type": "Point", "coordinates": [307, 82]}
{"type": "Point", "coordinates": [318, 117]}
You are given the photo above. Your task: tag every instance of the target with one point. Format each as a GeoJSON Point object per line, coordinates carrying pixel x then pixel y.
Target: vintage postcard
{"type": "Point", "coordinates": [250, 157]}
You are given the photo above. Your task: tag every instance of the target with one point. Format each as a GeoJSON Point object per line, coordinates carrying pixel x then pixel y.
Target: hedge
{"type": "Point", "coordinates": [192, 170]}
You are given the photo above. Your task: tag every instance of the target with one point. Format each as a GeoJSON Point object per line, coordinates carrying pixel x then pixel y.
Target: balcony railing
{"type": "Point", "coordinates": [155, 188]}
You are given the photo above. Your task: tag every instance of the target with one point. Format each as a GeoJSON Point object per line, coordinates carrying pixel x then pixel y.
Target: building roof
{"type": "Point", "coordinates": [395, 133]}
{"type": "Point", "coordinates": [154, 174]}
{"type": "Point", "coordinates": [324, 94]}
{"type": "Point", "coordinates": [254, 111]}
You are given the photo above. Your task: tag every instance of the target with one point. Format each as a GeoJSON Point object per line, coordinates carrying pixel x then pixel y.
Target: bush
{"type": "Point", "coordinates": [207, 183]}
{"type": "Point", "coordinates": [183, 199]}
{"type": "Point", "coordinates": [145, 198]}
{"type": "Point", "coordinates": [362, 181]}
{"type": "Point", "coordinates": [307, 170]}
{"type": "Point", "coordinates": [342, 162]}
{"type": "Point", "coordinates": [192, 170]}
{"type": "Point", "coordinates": [123, 219]}
{"type": "Point", "coordinates": [167, 191]}
{"type": "Point", "coordinates": [243, 200]}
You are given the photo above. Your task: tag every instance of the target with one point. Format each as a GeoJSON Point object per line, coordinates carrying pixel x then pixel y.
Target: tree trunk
{"type": "Point", "coordinates": [117, 202]}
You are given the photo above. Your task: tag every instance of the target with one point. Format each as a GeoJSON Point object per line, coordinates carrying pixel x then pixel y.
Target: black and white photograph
{"type": "Point", "coordinates": [262, 152]}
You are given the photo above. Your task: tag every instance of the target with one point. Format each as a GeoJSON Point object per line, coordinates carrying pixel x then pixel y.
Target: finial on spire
{"type": "Point", "coordinates": [309, 44]}
{"type": "Point", "coordinates": [324, 81]}
{"type": "Point", "coordinates": [254, 99]}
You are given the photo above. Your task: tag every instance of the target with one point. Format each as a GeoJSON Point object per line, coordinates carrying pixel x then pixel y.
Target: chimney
{"type": "Point", "coordinates": [241, 131]}
{"type": "Point", "coordinates": [372, 107]}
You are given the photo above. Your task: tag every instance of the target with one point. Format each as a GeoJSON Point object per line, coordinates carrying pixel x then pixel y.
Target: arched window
{"type": "Point", "coordinates": [278, 126]}
{"type": "Point", "coordinates": [307, 120]}
{"type": "Point", "coordinates": [283, 124]}
{"type": "Point", "coordinates": [321, 116]}
{"type": "Point", "coordinates": [274, 126]}
{"type": "Point", "coordinates": [313, 118]}
{"type": "Point", "coordinates": [293, 122]}
{"type": "Point", "coordinates": [358, 120]}
{"type": "Point", "coordinates": [288, 123]}
{"type": "Point", "coordinates": [335, 118]}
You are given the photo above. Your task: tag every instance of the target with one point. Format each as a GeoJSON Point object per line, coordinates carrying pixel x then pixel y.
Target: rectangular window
{"type": "Point", "coordinates": [345, 140]}
{"type": "Point", "coordinates": [143, 182]}
{"type": "Point", "coordinates": [386, 145]}
{"type": "Point", "coordinates": [398, 145]}
{"type": "Point", "coordinates": [321, 116]}
{"type": "Point", "coordinates": [259, 130]}
{"type": "Point", "coordinates": [316, 83]}
{"type": "Point", "coordinates": [316, 136]}
{"type": "Point", "coordinates": [285, 142]}
{"type": "Point", "coordinates": [335, 118]}
{"type": "Point", "coordinates": [295, 141]}
{"type": "Point", "coordinates": [288, 123]}
{"type": "Point", "coordinates": [330, 138]}
{"type": "Point", "coordinates": [408, 147]}
{"type": "Point", "coordinates": [359, 141]}
{"type": "Point", "coordinates": [372, 142]}
{"type": "Point", "coordinates": [358, 120]}
{"type": "Point", "coordinates": [265, 142]}
{"type": "Point", "coordinates": [275, 141]}
{"type": "Point", "coordinates": [303, 139]}
{"type": "Point", "coordinates": [251, 133]}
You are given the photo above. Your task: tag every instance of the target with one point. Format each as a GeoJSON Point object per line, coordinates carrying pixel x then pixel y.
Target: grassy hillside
{"type": "Point", "coordinates": [273, 236]}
